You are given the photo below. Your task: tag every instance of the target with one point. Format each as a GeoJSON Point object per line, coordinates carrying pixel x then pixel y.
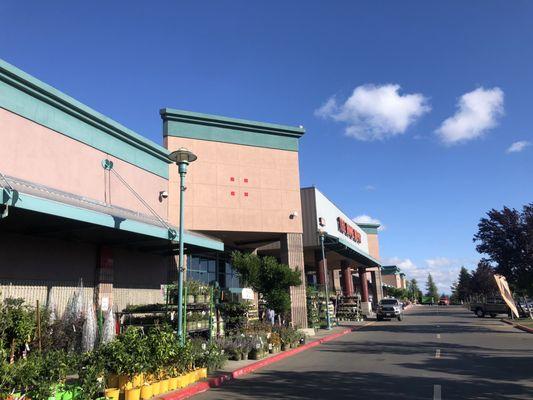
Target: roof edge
{"type": "Point", "coordinates": [170, 114]}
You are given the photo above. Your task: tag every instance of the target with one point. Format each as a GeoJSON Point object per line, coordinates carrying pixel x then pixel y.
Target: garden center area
{"type": "Point", "coordinates": [137, 353]}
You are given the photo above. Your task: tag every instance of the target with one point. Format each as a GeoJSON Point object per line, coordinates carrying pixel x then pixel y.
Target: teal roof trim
{"type": "Point", "coordinates": [390, 270]}
{"type": "Point", "coordinates": [369, 228]}
{"type": "Point", "coordinates": [30, 98]}
{"type": "Point", "coordinates": [47, 206]}
{"type": "Point", "coordinates": [217, 128]}
{"type": "Point", "coordinates": [347, 249]}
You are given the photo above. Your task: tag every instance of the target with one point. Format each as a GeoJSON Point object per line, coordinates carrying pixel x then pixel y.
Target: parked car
{"type": "Point", "coordinates": [491, 306]}
{"type": "Point", "coordinates": [389, 308]}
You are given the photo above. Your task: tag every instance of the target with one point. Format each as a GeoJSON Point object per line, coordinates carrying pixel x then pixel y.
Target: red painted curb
{"type": "Point", "coordinates": [518, 326]}
{"type": "Point", "coordinates": [219, 380]}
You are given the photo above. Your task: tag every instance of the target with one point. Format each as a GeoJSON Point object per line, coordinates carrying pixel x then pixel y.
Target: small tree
{"type": "Point", "coordinates": [461, 289]}
{"type": "Point", "coordinates": [414, 292]}
{"type": "Point", "coordinates": [431, 288]}
{"type": "Point", "coordinates": [267, 276]}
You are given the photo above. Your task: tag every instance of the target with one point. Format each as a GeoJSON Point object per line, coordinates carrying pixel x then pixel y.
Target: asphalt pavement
{"type": "Point", "coordinates": [434, 353]}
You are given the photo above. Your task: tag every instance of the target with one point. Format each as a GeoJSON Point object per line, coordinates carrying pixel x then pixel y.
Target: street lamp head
{"type": "Point", "coordinates": [182, 156]}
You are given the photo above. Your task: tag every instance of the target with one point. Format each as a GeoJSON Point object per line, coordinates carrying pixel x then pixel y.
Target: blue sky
{"type": "Point", "coordinates": [393, 72]}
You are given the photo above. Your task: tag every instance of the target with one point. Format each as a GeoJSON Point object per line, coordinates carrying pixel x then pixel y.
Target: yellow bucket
{"type": "Point", "coordinates": [146, 392]}
{"type": "Point", "coordinates": [172, 383]}
{"type": "Point", "coordinates": [163, 386]}
{"type": "Point", "coordinates": [112, 393]}
{"type": "Point", "coordinates": [155, 388]}
{"type": "Point", "coordinates": [133, 394]}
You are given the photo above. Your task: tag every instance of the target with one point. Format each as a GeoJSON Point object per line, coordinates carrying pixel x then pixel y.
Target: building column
{"type": "Point", "coordinates": [292, 254]}
{"type": "Point", "coordinates": [364, 283]}
{"type": "Point", "coordinates": [321, 272]}
{"type": "Point", "coordinates": [378, 283]}
{"type": "Point", "coordinates": [366, 307]}
{"type": "Point", "coordinates": [104, 279]}
{"type": "Point", "coordinates": [347, 289]}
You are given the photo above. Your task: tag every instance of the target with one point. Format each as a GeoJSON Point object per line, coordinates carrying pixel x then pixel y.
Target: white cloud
{"type": "Point", "coordinates": [370, 188]}
{"type": "Point", "coordinates": [376, 112]}
{"type": "Point", "coordinates": [443, 270]}
{"type": "Point", "coordinates": [367, 219]}
{"type": "Point", "coordinates": [478, 112]}
{"type": "Point", "coordinates": [439, 262]}
{"type": "Point", "coordinates": [517, 147]}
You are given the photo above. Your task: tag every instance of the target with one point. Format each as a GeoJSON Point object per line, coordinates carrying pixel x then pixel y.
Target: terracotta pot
{"type": "Point", "coordinates": [163, 386]}
{"type": "Point", "coordinates": [112, 393]}
{"type": "Point", "coordinates": [146, 392]}
{"type": "Point", "coordinates": [133, 394]}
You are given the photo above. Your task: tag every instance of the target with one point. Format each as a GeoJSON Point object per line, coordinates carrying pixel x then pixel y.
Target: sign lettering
{"type": "Point", "coordinates": [348, 230]}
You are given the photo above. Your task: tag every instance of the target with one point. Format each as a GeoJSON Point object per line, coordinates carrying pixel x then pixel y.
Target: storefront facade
{"type": "Point", "coordinates": [82, 202]}
{"type": "Point", "coordinates": [393, 276]}
{"type": "Point", "coordinates": [352, 250]}
{"type": "Point", "coordinates": [244, 189]}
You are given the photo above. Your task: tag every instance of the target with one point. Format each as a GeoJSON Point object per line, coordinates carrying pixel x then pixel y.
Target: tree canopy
{"type": "Point", "coordinates": [267, 276]}
{"type": "Point", "coordinates": [461, 289]}
{"type": "Point", "coordinates": [431, 288]}
{"type": "Point", "coordinates": [506, 239]}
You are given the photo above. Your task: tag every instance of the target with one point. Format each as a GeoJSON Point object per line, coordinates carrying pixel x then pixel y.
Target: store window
{"type": "Point", "coordinates": [212, 269]}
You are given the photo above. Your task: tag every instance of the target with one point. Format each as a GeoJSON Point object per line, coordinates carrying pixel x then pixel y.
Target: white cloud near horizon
{"type": "Point", "coordinates": [367, 219]}
{"type": "Point", "coordinates": [478, 112]}
{"type": "Point", "coordinates": [517, 147]}
{"type": "Point", "coordinates": [443, 270]}
{"type": "Point", "coordinates": [376, 112]}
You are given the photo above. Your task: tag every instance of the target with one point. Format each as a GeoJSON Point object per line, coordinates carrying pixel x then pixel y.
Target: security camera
{"type": "Point", "coordinates": [293, 214]}
{"type": "Point", "coordinates": [163, 194]}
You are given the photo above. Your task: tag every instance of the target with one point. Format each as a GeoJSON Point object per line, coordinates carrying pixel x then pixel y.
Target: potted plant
{"type": "Point", "coordinates": [193, 290]}
{"type": "Point", "coordinates": [274, 342]}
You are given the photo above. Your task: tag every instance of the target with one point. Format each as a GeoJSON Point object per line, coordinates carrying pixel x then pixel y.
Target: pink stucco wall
{"type": "Point", "coordinates": [373, 245]}
{"type": "Point", "coordinates": [237, 188]}
{"type": "Point", "coordinates": [35, 153]}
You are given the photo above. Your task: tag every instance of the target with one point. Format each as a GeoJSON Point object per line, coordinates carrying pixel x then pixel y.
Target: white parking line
{"type": "Point", "coordinates": [436, 392]}
{"type": "Point", "coordinates": [437, 353]}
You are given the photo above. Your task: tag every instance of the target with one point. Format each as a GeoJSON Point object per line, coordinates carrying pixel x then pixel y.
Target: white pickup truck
{"type": "Point", "coordinates": [389, 308]}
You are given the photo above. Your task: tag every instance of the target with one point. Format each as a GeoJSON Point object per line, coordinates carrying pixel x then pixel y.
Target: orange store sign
{"type": "Point", "coordinates": [348, 230]}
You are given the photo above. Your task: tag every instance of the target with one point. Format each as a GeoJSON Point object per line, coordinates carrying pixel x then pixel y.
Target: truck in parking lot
{"type": "Point", "coordinates": [389, 308]}
{"type": "Point", "coordinates": [489, 306]}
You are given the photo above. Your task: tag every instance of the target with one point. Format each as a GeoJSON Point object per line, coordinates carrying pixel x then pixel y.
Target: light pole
{"type": "Point", "coordinates": [321, 235]}
{"type": "Point", "coordinates": [182, 157]}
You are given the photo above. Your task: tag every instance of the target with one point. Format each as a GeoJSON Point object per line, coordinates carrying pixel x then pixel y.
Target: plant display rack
{"type": "Point", "coordinates": [349, 309]}
{"type": "Point", "coordinates": [199, 312]}
{"type": "Point", "coordinates": [313, 318]}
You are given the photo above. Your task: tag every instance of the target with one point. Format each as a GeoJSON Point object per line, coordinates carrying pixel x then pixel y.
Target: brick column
{"type": "Point", "coordinates": [104, 278]}
{"type": "Point", "coordinates": [347, 288]}
{"type": "Point", "coordinates": [364, 284]}
{"type": "Point", "coordinates": [376, 278]}
{"type": "Point", "coordinates": [292, 254]}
